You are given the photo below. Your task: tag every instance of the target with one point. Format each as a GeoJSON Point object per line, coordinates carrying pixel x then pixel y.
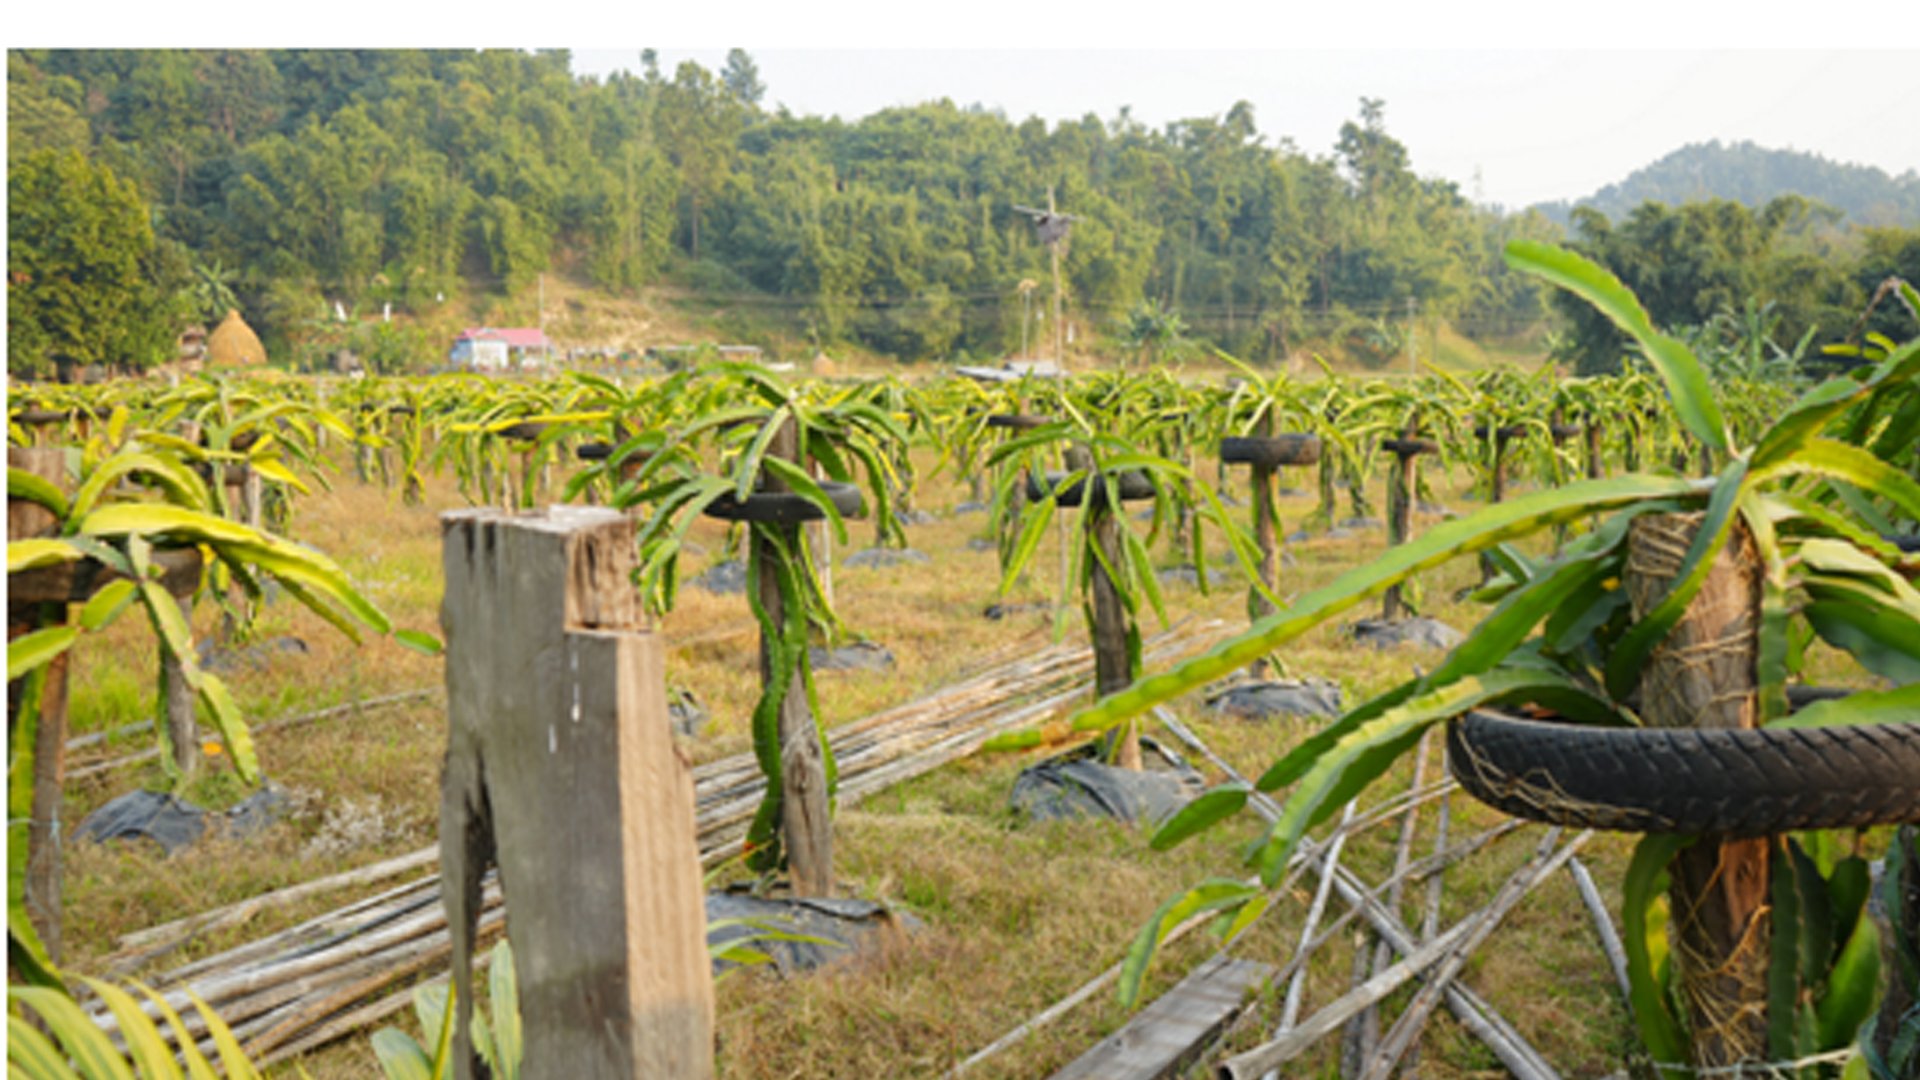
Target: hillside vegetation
{"type": "Point", "coordinates": [1754, 176]}
{"type": "Point", "coordinates": [381, 200]}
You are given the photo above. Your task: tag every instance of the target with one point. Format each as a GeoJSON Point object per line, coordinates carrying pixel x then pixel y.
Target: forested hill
{"type": "Point", "coordinates": [320, 190]}
{"type": "Point", "coordinates": [438, 179]}
{"type": "Point", "coordinates": [1755, 175]}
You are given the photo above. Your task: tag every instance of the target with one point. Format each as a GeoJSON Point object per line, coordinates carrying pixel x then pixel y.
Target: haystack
{"type": "Point", "coordinates": [234, 344]}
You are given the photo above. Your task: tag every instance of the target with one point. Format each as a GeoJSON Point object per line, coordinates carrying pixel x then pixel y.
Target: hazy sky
{"type": "Point", "coordinates": [1532, 124]}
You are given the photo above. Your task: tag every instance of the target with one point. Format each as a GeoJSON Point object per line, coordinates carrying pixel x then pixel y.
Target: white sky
{"type": "Point", "coordinates": [1486, 85]}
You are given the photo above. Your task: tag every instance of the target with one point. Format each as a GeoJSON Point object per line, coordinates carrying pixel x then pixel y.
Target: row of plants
{"type": "Point", "coordinates": [1819, 504]}
{"type": "Point", "coordinates": [715, 438]}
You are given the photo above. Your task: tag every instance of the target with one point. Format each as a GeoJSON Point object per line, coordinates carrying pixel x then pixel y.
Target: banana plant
{"type": "Point", "coordinates": [1562, 633]}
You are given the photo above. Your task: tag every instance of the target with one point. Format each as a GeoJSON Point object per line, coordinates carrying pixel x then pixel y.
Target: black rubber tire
{"type": "Point", "coordinates": [1908, 544]}
{"type": "Point", "coordinates": [1738, 782]}
{"type": "Point", "coordinates": [1271, 452]}
{"type": "Point", "coordinates": [601, 451]}
{"type": "Point", "coordinates": [1410, 447]}
{"type": "Point", "coordinates": [1134, 486]}
{"type": "Point", "coordinates": [1562, 432]}
{"type": "Point", "coordinates": [232, 474]}
{"type": "Point", "coordinates": [1512, 431]}
{"type": "Point", "coordinates": [44, 417]}
{"type": "Point", "coordinates": [1017, 421]}
{"type": "Point", "coordinates": [525, 432]}
{"type": "Point", "coordinates": [786, 508]}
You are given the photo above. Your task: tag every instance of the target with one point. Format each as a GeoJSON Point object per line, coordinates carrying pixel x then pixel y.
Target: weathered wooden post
{"type": "Point", "coordinates": [1705, 674]}
{"type": "Point", "coordinates": [179, 711]}
{"type": "Point", "coordinates": [561, 770]}
{"type": "Point", "coordinates": [27, 519]}
{"type": "Point", "coordinates": [1264, 453]}
{"type": "Point", "coordinates": [1497, 485]}
{"type": "Point", "coordinates": [1400, 488]}
{"type": "Point", "coordinates": [1265, 525]}
{"type": "Point", "coordinates": [1112, 664]}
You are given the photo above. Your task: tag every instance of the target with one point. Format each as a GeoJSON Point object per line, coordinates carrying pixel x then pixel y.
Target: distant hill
{"type": "Point", "coordinates": [1754, 175]}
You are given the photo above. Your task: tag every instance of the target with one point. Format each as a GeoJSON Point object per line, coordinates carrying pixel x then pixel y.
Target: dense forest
{"type": "Point", "coordinates": [301, 183]}
{"type": "Point", "coordinates": [1755, 175]}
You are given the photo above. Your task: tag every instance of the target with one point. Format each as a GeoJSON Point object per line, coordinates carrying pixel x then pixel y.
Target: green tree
{"type": "Point", "coordinates": [43, 112]}
{"type": "Point", "coordinates": [742, 78]}
{"type": "Point", "coordinates": [81, 265]}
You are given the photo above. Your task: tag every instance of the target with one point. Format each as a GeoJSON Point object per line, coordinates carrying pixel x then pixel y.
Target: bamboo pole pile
{"type": "Point", "coordinates": [1431, 957]}
{"type": "Point", "coordinates": [340, 972]}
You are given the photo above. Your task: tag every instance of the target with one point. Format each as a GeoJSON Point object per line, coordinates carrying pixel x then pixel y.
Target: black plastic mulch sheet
{"type": "Point", "coordinates": [1078, 785]}
{"type": "Point", "coordinates": [175, 823]}
{"type": "Point", "coordinates": [1295, 697]}
{"type": "Point", "coordinates": [842, 927]}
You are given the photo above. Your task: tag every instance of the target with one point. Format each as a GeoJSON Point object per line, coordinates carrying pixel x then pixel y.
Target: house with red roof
{"type": "Point", "coordinates": [486, 348]}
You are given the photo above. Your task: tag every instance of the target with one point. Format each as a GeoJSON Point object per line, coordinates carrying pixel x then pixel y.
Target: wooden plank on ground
{"type": "Point", "coordinates": [1172, 1031]}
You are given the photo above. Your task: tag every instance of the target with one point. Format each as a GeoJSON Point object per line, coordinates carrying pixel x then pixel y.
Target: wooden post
{"type": "Point", "coordinates": [1596, 466]}
{"type": "Point", "coordinates": [44, 833]}
{"type": "Point", "coordinates": [1400, 488]}
{"type": "Point", "coordinates": [1112, 666]}
{"type": "Point", "coordinates": [1329, 461]}
{"type": "Point", "coordinates": [1399, 499]}
{"type": "Point", "coordinates": [1266, 524]}
{"type": "Point", "coordinates": [241, 486]}
{"type": "Point", "coordinates": [178, 713]}
{"type": "Point", "coordinates": [806, 829]}
{"type": "Point", "coordinates": [1496, 491]}
{"type": "Point", "coordinates": [1265, 527]}
{"type": "Point", "coordinates": [1497, 488]}
{"type": "Point", "coordinates": [1705, 675]}
{"type": "Point", "coordinates": [561, 770]}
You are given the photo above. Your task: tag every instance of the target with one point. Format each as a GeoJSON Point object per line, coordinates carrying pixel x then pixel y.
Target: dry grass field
{"type": "Point", "coordinates": [1016, 914]}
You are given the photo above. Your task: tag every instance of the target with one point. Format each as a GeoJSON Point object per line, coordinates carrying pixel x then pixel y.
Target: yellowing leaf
{"type": "Point", "coordinates": [34, 554]}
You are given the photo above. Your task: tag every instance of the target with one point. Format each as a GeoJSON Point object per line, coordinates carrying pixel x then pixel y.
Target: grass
{"type": "Point", "coordinates": [1017, 914]}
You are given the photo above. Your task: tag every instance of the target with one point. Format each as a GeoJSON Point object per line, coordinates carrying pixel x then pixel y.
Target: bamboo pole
{"type": "Point", "coordinates": [1457, 941]}
{"type": "Point", "coordinates": [100, 767]}
{"type": "Point", "coordinates": [1473, 1013]}
{"type": "Point", "coordinates": [297, 982]}
{"type": "Point", "coordinates": [1329, 858]}
{"type": "Point", "coordinates": [1603, 927]}
{"type": "Point", "coordinates": [1414, 1020]}
{"type": "Point", "coordinates": [1436, 886]}
{"type": "Point", "coordinates": [1060, 1008]}
{"type": "Point", "coordinates": [1366, 1035]}
{"type": "Point", "coordinates": [1263, 1059]}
